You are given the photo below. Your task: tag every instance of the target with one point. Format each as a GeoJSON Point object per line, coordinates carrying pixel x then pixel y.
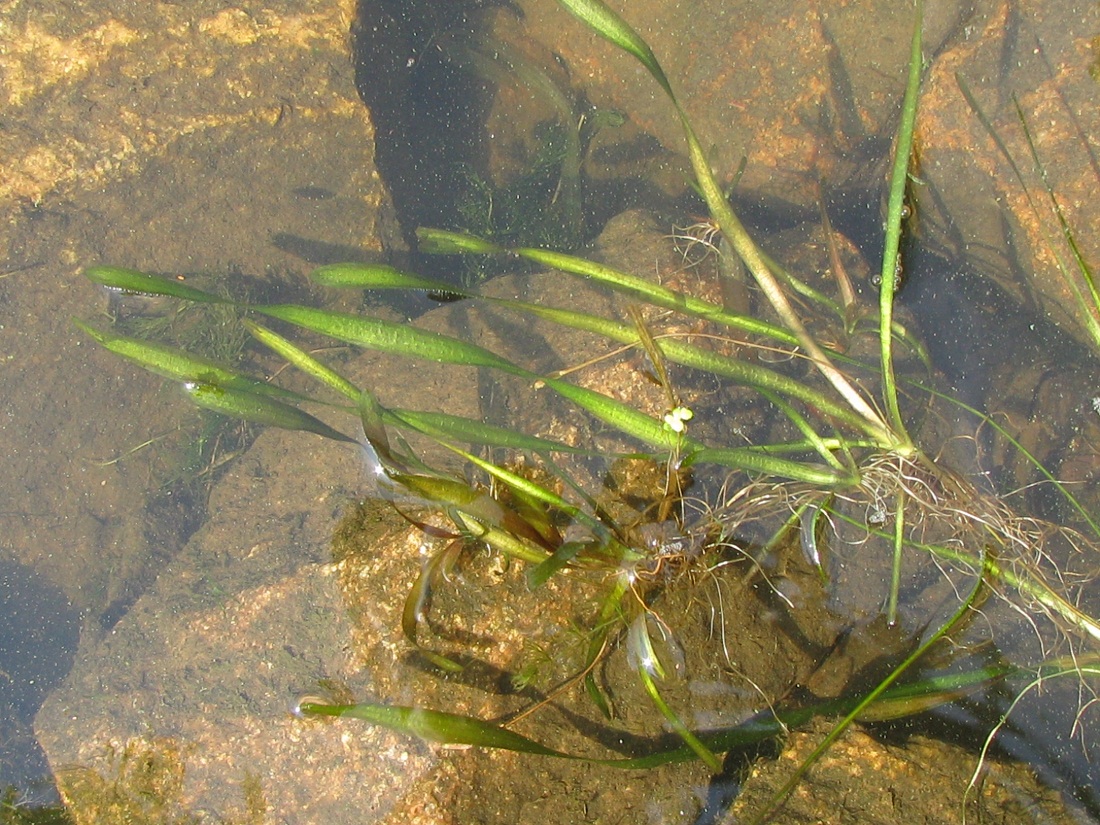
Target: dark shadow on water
{"type": "Point", "coordinates": [428, 114]}
{"type": "Point", "coordinates": [39, 631]}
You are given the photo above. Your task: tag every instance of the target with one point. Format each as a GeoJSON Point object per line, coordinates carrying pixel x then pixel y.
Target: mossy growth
{"type": "Point", "coordinates": [13, 811]}
{"type": "Point", "coordinates": [146, 788]}
{"type": "Point", "coordinates": [186, 459]}
{"type": "Point", "coordinates": [543, 200]}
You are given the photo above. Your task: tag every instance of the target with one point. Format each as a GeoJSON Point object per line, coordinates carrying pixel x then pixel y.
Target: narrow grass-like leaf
{"type": "Point", "coordinates": [741, 372]}
{"type": "Point", "coordinates": [517, 482]}
{"type": "Point", "coordinates": [404, 339]}
{"type": "Point", "coordinates": [804, 427]}
{"type": "Point", "coordinates": [443, 242]}
{"type": "Point", "coordinates": [755, 461]}
{"type": "Point", "coordinates": [1090, 314]}
{"type": "Point", "coordinates": [624, 282]}
{"type": "Point", "coordinates": [538, 575]}
{"type": "Point", "coordinates": [375, 276]}
{"type": "Point", "coordinates": [503, 540]}
{"type": "Point", "coordinates": [595, 14]}
{"type": "Point", "coordinates": [135, 282]}
{"type": "Point", "coordinates": [302, 359]}
{"type": "Point", "coordinates": [418, 598]}
{"type": "Point", "coordinates": [467, 430]}
{"type": "Point", "coordinates": [493, 522]}
{"type": "Point", "coordinates": [623, 417]}
{"type": "Point", "coordinates": [386, 464]}
{"type": "Point", "coordinates": [748, 374]}
{"type": "Point", "coordinates": [613, 549]}
{"type": "Point", "coordinates": [434, 726]}
{"type": "Point", "coordinates": [868, 701]}
{"type": "Point", "coordinates": [699, 748]}
{"type": "Point", "coordinates": [899, 546]}
{"type": "Point", "coordinates": [655, 294]}
{"type": "Point", "coordinates": [259, 409]}
{"type": "Point", "coordinates": [391, 337]}
{"type": "Point", "coordinates": [1090, 318]}
{"type": "Point", "coordinates": [1062, 489]}
{"type": "Point", "coordinates": [180, 365]}
{"type": "Point", "coordinates": [452, 729]}
{"type": "Point", "coordinates": [1029, 582]}
{"type": "Point", "coordinates": [809, 515]}
{"type": "Point", "coordinates": [608, 25]}
{"type": "Point", "coordinates": [891, 256]}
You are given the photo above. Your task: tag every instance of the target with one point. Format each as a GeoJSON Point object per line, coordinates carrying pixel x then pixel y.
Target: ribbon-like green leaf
{"type": "Point", "coordinates": [606, 23]}
{"type": "Point", "coordinates": [389, 336]}
{"type": "Point", "coordinates": [302, 359]}
{"type": "Point", "coordinates": [467, 430]}
{"type": "Point", "coordinates": [180, 365]}
{"type": "Point", "coordinates": [442, 242]}
{"type": "Point", "coordinates": [135, 282]}
{"type": "Point", "coordinates": [260, 409]}
{"type": "Point", "coordinates": [452, 729]}
{"type": "Point", "coordinates": [375, 276]}
{"type": "Point", "coordinates": [434, 726]}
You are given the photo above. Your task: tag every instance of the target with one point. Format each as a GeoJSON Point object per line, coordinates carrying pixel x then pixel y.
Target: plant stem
{"type": "Point", "coordinates": [891, 253]}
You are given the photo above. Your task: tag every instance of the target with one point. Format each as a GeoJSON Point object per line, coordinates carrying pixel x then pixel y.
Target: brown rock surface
{"type": "Point", "coordinates": [173, 138]}
{"type": "Point", "coordinates": [1042, 57]}
{"type": "Point", "coordinates": [178, 137]}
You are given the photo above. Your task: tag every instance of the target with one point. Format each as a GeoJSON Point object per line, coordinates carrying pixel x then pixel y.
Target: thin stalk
{"type": "Point", "coordinates": [782, 794]}
{"type": "Point", "coordinates": [1030, 584]}
{"type": "Point", "coordinates": [747, 249]}
{"type": "Point", "coordinates": [498, 539]}
{"type": "Point", "coordinates": [652, 293]}
{"type": "Point", "coordinates": [891, 254]}
{"type": "Point", "coordinates": [677, 724]}
{"type": "Point", "coordinates": [812, 437]}
{"type": "Point", "coordinates": [1070, 498]}
{"type": "Point", "coordinates": [609, 25]}
{"type": "Point", "coordinates": [895, 572]}
{"type": "Point", "coordinates": [1089, 315]}
{"type": "Point", "coordinates": [679, 352]}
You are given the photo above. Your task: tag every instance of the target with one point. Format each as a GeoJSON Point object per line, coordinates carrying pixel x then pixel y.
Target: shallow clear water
{"type": "Point", "coordinates": [267, 172]}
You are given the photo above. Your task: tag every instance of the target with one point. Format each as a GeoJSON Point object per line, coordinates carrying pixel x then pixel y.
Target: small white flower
{"type": "Point", "coordinates": [676, 419]}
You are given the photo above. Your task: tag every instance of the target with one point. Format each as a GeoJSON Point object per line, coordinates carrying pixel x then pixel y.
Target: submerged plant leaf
{"type": "Point", "coordinates": [259, 409]}
{"type": "Point", "coordinates": [654, 293]}
{"type": "Point", "coordinates": [467, 430]}
{"type": "Point", "coordinates": [891, 256]}
{"type": "Point", "coordinates": [756, 460]}
{"type": "Point", "coordinates": [419, 597]}
{"type": "Point", "coordinates": [443, 242]}
{"type": "Point", "coordinates": [302, 359]}
{"type": "Point", "coordinates": [610, 26]}
{"type": "Point", "coordinates": [606, 23]}
{"type": "Point", "coordinates": [538, 575]}
{"type": "Point", "coordinates": [454, 729]}
{"type": "Point", "coordinates": [679, 352]}
{"type": "Point", "coordinates": [403, 339]}
{"type": "Point", "coordinates": [374, 430]}
{"type": "Point", "coordinates": [135, 282]}
{"type": "Point", "coordinates": [180, 365]}
{"type": "Point", "coordinates": [375, 276]}
{"type": "Point", "coordinates": [434, 726]}
{"type": "Point", "coordinates": [389, 336]}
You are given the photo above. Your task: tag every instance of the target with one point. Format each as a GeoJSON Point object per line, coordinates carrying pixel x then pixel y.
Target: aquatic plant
{"type": "Point", "coordinates": [845, 467]}
{"type": "Point", "coordinates": [543, 203]}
